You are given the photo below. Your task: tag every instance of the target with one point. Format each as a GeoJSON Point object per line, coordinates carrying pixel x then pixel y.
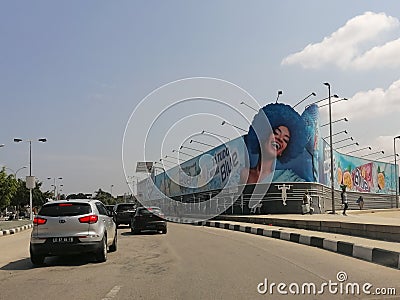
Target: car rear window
{"type": "Point", "coordinates": [125, 207]}
{"type": "Point", "coordinates": [65, 209]}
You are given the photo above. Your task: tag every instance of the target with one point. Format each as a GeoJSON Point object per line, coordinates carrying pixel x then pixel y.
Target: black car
{"type": "Point", "coordinates": [150, 218]}
{"type": "Point", "coordinates": [123, 213]}
{"type": "Point", "coordinates": [110, 208]}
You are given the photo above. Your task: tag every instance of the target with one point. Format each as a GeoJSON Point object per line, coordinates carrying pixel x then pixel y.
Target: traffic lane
{"type": "Point", "coordinates": [14, 247]}
{"type": "Point", "coordinates": [136, 265]}
{"type": "Point", "coordinates": [189, 263]}
{"type": "Point", "coordinates": [231, 264]}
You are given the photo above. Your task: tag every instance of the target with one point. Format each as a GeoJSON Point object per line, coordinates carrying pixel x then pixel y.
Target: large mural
{"type": "Point", "coordinates": [358, 174]}
{"type": "Point", "coordinates": [280, 146]}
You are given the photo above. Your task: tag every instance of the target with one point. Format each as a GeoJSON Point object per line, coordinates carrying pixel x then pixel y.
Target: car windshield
{"type": "Point", "coordinates": [65, 209]}
{"type": "Point", "coordinates": [125, 207]}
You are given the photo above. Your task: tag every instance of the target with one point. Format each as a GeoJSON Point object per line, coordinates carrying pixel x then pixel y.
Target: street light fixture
{"type": "Point", "coordinates": [333, 102]}
{"type": "Point", "coordinates": [356, 143]}
{"type": "Point", "coordinates": [215, 134]}
{"type": "Point", "coordinates": [387, 156]}
{"type": "Point", "coordinates": [349, 138]}
{"type": "Point", "coordinates": [395, 170]}
{"type": "Point", "coordinates": [163, 160]}
{"type": "Point", "coordinates": [180, 152]}
{"type": "Point", "coordinates": [191, 149]}
{"type": "Point", "coordinates": [334, 96]}
{"type": "Point", "coordinates": [201, 143]}
{"type": "Point", "coordinates": [237, 127]}
{"type": "Point", "coordinates": [368, 147]}
{"type": "Point", "coordinates": [343, 131]}
{"type": "Point", "coordinates": [244, 103]}
{"type": "Point", "coordinates": [30, 182]}
{"type": "Point", "coordinates": [331, 122]}
{"type": "Point", "coordinates": [54, 185]}
{"type": "Point", "coordinates": [331, 146]}
{"type": "Point", "coordinates": [301, 101]}
{"type": "Point", "coordinates": [279, 93]}
{"type": "Point", "coordinates": [383, 152]}
{"type": "Point", "coordinates": [15, 172]}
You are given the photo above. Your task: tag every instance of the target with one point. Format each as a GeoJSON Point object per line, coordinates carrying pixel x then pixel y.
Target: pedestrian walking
{"type": "Point", "coordinates": [344, 200]}
{"type": "Point", "coordinates": [307, 204]}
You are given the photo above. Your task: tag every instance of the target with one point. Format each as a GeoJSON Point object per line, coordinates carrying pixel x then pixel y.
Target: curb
{"type": "Point", "coordinates": [15, 230]}
{"type": "Point", "coordinates": [375, 255]}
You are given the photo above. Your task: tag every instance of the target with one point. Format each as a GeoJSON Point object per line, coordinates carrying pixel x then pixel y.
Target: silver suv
{"type": "Point", "coordinates": [72, 227]}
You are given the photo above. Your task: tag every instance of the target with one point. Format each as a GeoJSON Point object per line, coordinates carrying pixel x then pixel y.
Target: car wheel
{"type": "Point", "coordinates": [113, 246]}
{"type": "Point", "coordinates": [134, 230]}
{"type": "Point", "coordinates": [102, 252]}
{"type": "Point", "coordinates": [164, 231]}
{"type": "Point", "coordinates": [37, 260]}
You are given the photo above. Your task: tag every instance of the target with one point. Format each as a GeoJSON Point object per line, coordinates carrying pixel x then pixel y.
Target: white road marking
{"type": "Point", "coordinates": [111, 294]}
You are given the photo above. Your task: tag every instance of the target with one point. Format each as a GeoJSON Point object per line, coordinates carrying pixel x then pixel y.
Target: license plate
{"type": "Point", "coordinates": [63, 240]}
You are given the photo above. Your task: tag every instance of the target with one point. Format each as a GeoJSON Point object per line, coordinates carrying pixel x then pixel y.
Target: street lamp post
{"type": "Point", "coordinates": [15, 172]}
{"type": "Point", "coordinates": [30, 182]}
{"type": "Point", "coordinates": [331, 146]}
{"type": "Point", "coordinates": [55, 190]}
{"type": "Point", "coordinates": [395, 171]}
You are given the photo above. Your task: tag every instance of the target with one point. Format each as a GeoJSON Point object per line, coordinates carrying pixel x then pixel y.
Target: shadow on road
{"type": "Point", "coordinates": [53, 261]}
{"type": "Point", "coordinates": [19, 265]}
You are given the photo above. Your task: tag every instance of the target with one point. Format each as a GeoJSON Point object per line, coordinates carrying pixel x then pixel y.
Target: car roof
{"type": "Point", "coordinates": [72, 200]}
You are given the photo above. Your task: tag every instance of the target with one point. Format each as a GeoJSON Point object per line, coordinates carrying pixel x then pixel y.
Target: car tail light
{"type": "Point", "coordinates": [65, 204]}
{"type": "Point", "coordinates": [89, 219]}
{"type": "Point", "coordinates": [39, 221]}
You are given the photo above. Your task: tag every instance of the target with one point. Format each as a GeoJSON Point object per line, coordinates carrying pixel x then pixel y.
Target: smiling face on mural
{"type": "Point", "coordinates": [277, 142]}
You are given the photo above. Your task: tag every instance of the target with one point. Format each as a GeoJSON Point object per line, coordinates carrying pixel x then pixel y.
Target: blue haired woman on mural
{"type": "Point", "coordinates": [276, 133]}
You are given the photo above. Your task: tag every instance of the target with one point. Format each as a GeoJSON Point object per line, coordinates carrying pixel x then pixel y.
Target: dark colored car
{"type": "Point", "coordinates": [110, 208]}
{"type": "Point", "coordinates": [123, 213]}
{"type": "Point", "coordinates": [150, 218]}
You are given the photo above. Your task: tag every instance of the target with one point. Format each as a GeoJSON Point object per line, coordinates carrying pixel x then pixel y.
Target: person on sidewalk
{"type": "Point", "coordinates": [344, 200]}
{"type": "Point", "coordinates": [360, 202]}
{"type": "Point", "coordinates": [307, 204]}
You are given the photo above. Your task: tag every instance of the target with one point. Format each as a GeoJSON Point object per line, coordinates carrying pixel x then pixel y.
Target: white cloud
{"type": "Point", "coordinates": [373, 103]}
{"type": "Point", "coordinates": [343, 48]}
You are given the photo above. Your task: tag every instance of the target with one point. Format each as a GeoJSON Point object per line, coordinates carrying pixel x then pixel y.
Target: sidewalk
{"type": "Point", "coordinates": [316, 230]}
{"type": "Point", "coordinates": [14, 226]}
{"type": "Point", "coordinates": [383, 224]}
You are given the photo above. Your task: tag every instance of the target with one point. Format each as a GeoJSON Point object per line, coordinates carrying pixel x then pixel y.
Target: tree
{"type": "Point", "coordinates": [21, 196]}
{"type": "Point", "coordinates": [77, 196]}
{"type": "Point", "coordinates": [104, 197]}
{"type": "Point", "coordinates": [8, 187]}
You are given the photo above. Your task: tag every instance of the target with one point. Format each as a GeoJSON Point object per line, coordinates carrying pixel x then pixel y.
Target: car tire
{"type": "Point", "coordinates": [101, 255]}
{"type": "Point", "coordinates": [113, 246]}
{"type": "Point", "coordinates": [164, 231]}
{"type": "Point", "coordinates": [134, 230]}
{"type": "Point", "coordinates": [37, 260]}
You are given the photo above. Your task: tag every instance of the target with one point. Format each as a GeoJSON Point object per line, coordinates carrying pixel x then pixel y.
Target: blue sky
{"type": "Point", "coordinates": [74, 71]}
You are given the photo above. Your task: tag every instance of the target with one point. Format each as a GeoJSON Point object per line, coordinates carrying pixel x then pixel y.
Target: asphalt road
{"type": "Point", "coordinates": [187, 263]}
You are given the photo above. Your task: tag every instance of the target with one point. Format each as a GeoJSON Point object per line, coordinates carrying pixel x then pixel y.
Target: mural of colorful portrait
{"type": "Point", "coordinates": [282, 145]}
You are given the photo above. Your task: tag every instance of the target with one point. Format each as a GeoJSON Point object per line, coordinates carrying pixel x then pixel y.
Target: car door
{"type": "Point", "coordinates": [108, 222]}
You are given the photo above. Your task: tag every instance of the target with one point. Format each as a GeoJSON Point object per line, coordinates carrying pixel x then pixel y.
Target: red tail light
{"type": "Point", "coordinates": [39, 221]}
{"type": "Point", "coordinates": [89, 219]}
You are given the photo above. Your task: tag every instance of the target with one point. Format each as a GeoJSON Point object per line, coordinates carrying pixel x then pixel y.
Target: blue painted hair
{"type": "Point", "coordinates": [277, 114]}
